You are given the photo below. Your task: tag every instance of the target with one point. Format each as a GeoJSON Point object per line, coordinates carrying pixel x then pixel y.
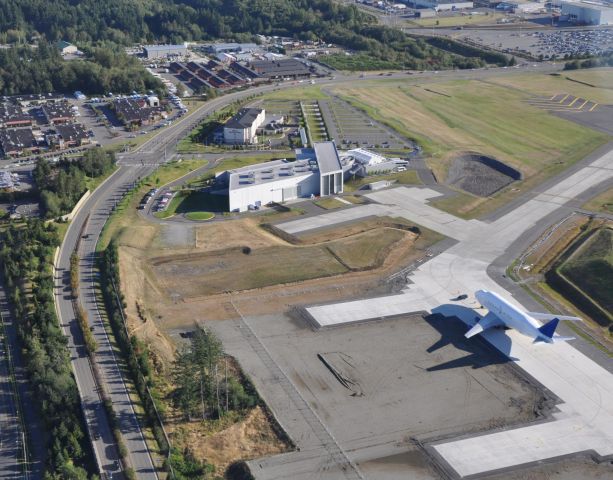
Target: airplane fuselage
{"type": "Point", "coordinates": [511, 316]}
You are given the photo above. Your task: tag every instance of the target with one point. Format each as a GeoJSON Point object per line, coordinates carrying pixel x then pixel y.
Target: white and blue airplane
{"type": "Point", "coordinates": [503, 314]}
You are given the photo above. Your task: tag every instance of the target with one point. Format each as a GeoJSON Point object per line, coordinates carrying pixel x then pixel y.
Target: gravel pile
{"type": "Point", "coordinates": [480, 175]}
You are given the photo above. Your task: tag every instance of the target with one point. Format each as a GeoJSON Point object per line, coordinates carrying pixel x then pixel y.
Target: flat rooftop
{"type": "Point", "coordinates": [269, 172]}
{"type": "Point", "coordinates": [327, 157]}
{"type": "Point", "coordinates": [592, 5]}
{"type": "Point", "coordinates": [158, 48]}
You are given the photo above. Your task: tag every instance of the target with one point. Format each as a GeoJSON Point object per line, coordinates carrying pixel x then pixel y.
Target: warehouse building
{"type": "Point", "coordinates": [281, 68]}
{"type": "Point", "coordinates": [241, 129]}
{"type": "Point", "coordinates": [164, 51]}
{"type": "Point", "coordinates": [443, 5]}
{"type": "Point", "coordinates": [316, 171]}
{"type": "Point", "coordinates": [12, 115]}
{"type": "Point", "coordinates": [588, 13]}
{"type": "Point", "coordinates": [17, 141]}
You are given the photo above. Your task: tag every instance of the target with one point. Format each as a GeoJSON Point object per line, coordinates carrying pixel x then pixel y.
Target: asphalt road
{"type": "Point", "coordinates": [98, 207]}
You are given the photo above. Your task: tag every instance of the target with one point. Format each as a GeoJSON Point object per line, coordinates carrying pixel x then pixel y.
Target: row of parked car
{"type": "Point", "coordinates": [147, 198]}
{"type": "Point", "coordinates": [163, 201]}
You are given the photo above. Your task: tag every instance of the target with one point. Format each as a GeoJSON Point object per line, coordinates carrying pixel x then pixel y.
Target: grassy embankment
{"type": "Point", "coordinates": [589, 270]}
{"type": "Point", "coordinates": [601, 203]}
{"type": "Point", "coordinates": [459, 116]}
{"type": "Point", "coordinates": [329, 203]}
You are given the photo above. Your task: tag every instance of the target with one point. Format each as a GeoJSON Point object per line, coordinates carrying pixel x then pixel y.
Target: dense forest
{"type": "Point", "coordinates": [92, 23]}
{"type": "Point", "coordinates": [61, 185]}
{"type": "Point", "coordinates": [26, 257]}
{"type": "Point", "coordinates": [28, 70]}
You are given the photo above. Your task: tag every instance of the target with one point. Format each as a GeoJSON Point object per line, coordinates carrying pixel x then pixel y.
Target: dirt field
{"type": "Point", "coordinates": [222, 443]}
{"type": "Point", "coordinates": [179, 302]}
{"type": "Point", "coordinates": [245, 267]}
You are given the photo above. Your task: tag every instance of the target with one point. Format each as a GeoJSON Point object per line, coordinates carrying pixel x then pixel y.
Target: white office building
{"type": "Point", "coordinates": [241, 129]}
{"type": "Point", "coordinates": [588, 13]}
{"type": "Point", "coordinates": [164, 51]}
{"type": "Point", "coordinates": [316, 171]}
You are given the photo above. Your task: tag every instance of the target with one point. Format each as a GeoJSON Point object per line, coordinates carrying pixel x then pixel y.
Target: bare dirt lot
{"type": "Point", "coordinates": [183, 285]}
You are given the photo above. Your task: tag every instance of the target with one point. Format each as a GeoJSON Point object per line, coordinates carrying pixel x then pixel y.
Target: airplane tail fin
{"type": "Point", "coordinates": [549, 328]}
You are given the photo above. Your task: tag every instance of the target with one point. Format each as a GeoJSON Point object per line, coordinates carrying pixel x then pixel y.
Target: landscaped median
{"type": "Point", "coordinates": [195, 204]}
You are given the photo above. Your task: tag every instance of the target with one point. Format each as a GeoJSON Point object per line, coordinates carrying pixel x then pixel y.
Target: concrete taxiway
{"type": "Point", "coordinates": [583, 421]}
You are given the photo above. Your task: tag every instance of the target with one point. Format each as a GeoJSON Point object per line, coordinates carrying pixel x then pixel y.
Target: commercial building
{"type": "Point", "coordinates": [364, 162]}
{"type": "Point", "coordinates": [587, 13]}
{"type": "Point", "coordinates": [59, 113]}
{"type": "Point", "coordinates": [241, 129]}
{"type": "Point", "coordinates": [12, 115]}
{"type": "Point", "coordinates": [66, 136]}
{"type": "Point", "coordinates": [316, 171]}
{"type": "Point", "coordinates": [135, 112]}
{"type": "Point", "coordinates": [217, 48]}
{"type": "Point", "coordinates": [17, 141]}
{"type": "Point", "coordinates": [443, 5]}
{"type": "Point", "coordinates": [164, 51]}
{"type": "Point", "coordinates": [281, 68]}
{"type": "Point", "coordinates": [35, 99]}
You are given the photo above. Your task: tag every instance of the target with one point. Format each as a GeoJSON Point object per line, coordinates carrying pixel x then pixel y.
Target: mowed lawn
{"type": "Point", "coordinates": [448, 118]}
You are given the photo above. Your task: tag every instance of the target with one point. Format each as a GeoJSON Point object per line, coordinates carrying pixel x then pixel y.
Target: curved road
{"type": "Point", "coordinates": [98, 208]}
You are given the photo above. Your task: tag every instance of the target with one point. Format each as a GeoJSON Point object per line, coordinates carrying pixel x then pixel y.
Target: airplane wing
{"type": "Point", "coordinates": [489, 321]}
{"type": "Point", "coordinates": [549, 316]}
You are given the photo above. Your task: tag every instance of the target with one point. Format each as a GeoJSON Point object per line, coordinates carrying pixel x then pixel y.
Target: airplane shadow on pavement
{"type": "Point", "coordinates": [446, 320]}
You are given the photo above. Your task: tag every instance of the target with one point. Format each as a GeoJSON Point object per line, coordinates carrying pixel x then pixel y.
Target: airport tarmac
{"type": "Point", "coordinates": [584, 420]}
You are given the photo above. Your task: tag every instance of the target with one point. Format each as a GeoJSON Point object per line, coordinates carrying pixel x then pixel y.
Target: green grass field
{"type": "Point", "coordinates": [329, 203]}
{"type": "Point", "coordinates": [458, 20]}
{"type": "Point", "coordinates": [451, 117]}
{"type": "Point", "coordinates": [366, 250]}
{"type": "Point", "coordinates": [601, 203]}
{"type": "Point", "coordinates": [194, 201]}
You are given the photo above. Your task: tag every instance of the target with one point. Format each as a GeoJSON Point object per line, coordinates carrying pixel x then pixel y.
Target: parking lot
{"type": "Point", "coordinates": [351, 128]}
{"type": "Point", "coordinates": [558, 42]}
